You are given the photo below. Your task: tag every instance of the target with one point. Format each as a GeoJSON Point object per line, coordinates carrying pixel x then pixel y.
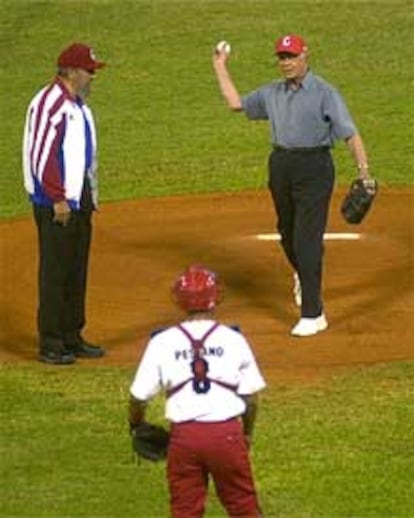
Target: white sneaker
{"type": "Point", "coordinates": [310, 326]}
{"type": "Point", "coordinates": [297, 290]}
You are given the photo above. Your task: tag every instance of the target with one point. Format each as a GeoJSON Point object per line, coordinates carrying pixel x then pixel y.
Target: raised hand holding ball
{"type": "Point", "coordinates": [223, 46]}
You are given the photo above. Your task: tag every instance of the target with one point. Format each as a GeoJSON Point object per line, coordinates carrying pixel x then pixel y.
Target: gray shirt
{"type": "Point", "coordinates": [314, 115]}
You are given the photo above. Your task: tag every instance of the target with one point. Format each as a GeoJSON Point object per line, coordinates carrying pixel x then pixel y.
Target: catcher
{"type": "Point", "coordinates": [211, 379]}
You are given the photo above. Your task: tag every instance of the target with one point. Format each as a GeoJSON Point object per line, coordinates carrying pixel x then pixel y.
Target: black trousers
{"type": "Point", "coordinates": [62, 276]}
{"type": "Point", "coordinates": [301, 185]}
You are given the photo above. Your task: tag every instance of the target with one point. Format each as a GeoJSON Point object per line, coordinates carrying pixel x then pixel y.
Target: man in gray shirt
{"type": "Point", "coordinates": [307, 115]}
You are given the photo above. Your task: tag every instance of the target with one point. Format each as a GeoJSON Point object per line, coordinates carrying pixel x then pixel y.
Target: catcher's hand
{"type": "Point", "coordinates": [149, 441]}
{"type": "Point", "coordinates": [358, 200]}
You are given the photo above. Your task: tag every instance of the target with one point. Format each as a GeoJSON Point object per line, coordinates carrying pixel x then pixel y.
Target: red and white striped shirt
{"type": "Point", "coordinates": [59, 147]}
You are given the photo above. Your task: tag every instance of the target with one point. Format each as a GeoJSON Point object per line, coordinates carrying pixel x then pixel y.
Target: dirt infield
{"type": "Point", "coordinates": [139, 247]}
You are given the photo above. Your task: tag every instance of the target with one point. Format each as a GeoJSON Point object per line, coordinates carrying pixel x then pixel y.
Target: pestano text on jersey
{"type": "Point", "coordinates": [188, 354]}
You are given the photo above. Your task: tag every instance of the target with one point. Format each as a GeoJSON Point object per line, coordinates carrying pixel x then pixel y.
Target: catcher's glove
{"type": "Point", "coordinates": [149, 441]}
{"type": "Point", "coordinates": [359, 199]}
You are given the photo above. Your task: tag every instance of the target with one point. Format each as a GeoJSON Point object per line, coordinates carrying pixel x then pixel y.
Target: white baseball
{"type": "Point", "coordinates": [223, 46]}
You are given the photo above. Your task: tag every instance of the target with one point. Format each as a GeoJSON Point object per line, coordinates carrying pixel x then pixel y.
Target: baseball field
{"type": "Point", "coordinates": [183, 180]}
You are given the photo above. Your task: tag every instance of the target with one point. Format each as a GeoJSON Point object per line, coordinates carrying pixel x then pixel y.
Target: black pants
{"type": "Point", "coordinates": [301, 185]}
{"type": "Point", "coordinates": [63, 268]}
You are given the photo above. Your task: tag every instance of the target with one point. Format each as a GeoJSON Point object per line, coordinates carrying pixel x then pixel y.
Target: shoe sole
{"type": "Point", "coordinates": [57, 361]}
{"type": "Point", "coordinates": [299, 335]}
{"type": "Point", "coordinates": [89, 356]}
{"type": "Point", "coordinates": [320, 328]}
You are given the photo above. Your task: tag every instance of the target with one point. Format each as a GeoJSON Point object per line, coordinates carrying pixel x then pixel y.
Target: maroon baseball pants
{"type": "Point", "coordinates": [199, 450]}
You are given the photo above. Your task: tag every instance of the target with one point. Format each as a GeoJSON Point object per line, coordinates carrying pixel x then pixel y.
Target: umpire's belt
{"type": "Point", "coordinates": [303, 150]}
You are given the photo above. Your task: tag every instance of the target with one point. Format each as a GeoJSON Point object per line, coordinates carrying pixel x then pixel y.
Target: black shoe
{"type": "Point", "coordinates": [86, 350]}
{"type": "Point", "coordinates": [62, 357]}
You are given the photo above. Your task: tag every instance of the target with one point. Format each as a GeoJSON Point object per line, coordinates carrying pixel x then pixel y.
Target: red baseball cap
{"type": "Point", "coordinates": [79, 55]}
{"type": "Point", "coordinates": [290, 43]}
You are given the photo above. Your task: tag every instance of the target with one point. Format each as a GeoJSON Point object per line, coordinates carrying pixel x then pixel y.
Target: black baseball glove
{"type": "Point", "coordinates": [149, 441]}
{"type": "Point", "coordinates": [358, 200]}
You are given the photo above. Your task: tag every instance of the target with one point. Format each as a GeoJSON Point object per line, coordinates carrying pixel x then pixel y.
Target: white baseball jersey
{"type": "Point", "coordinates": [167, 365]}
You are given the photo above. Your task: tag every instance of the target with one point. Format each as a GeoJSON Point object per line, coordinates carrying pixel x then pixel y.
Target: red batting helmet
{"type": "Point", "coordinates": [197, 289]}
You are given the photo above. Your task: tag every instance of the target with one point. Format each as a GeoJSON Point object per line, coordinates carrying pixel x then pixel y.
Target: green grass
{"type": "Point", "coordinates": [162, 124]}
{"type": "Point", "coordinates": [341, 447]}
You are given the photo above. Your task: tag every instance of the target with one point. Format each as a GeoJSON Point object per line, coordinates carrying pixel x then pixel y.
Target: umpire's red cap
{"type": "Point", "coordinates": [79, 55]}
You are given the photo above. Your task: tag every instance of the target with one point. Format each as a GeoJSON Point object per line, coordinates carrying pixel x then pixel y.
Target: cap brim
{"type": "Point", "coordinates": [288, 52]}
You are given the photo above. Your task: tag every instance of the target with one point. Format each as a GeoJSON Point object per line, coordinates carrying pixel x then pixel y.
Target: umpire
{"type": "Point", "coordinates": [307, 115]}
